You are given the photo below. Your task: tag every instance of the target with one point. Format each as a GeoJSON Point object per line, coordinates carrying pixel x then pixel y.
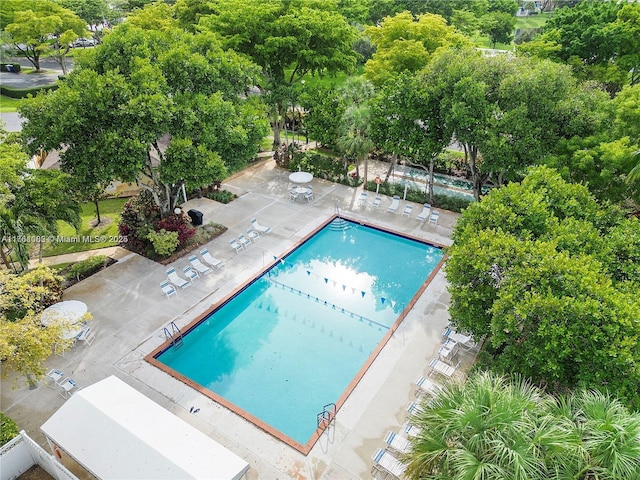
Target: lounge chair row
{"type": "Point", "coordinates": [56, 378]}
{"type": "Point", "coordinates": [252, 236]}
{"type": "Point", "coordinates": [427, 214]}
{"type": "Point", "coordinates": [193, 271]}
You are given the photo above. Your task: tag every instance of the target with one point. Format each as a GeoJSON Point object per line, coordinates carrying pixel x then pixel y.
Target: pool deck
{"type": "Point", "coordinates": [130, 312]}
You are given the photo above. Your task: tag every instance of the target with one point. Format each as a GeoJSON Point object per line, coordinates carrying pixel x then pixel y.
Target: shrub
{"type": "Point", "coordinates": [24, 92]}
{"type": "Point", "coordinates": [8, 429]}
{"type": "Point", "coordinates": [86, 268]}
{"type": "Point", "coordinates": [222, 196]}
{"type": "Point", "coordinates": [321, 166]}
{"type": "Point", "coordinates": [164, 242]}
{"type": "Point", "coordinates": [177, 223]}
{"type": "Point", "coordinates": [138, 217]}
{"type": "Point", "coordinates": [32, 291]}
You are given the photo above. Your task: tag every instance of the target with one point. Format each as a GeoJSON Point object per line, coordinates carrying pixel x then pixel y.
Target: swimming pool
{"type": "Point", "coordinates": [299, 336]}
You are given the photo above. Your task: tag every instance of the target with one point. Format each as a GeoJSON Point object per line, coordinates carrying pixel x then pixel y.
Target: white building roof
{"type": "Point", "coordinates": [115, 432]}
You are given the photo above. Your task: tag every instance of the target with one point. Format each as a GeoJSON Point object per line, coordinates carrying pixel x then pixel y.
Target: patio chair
{"type": "Point", "coordinates": [424, 214]}
{"type": "Point", "coordinates": [293, 195]}
{"type": "Point", "coordinates": [244, 241]}
{"type": "Point", "coordinates": [407, 211]}
{"type": "Point", "coordinates": [412, 430]}
{"type": "Point", "coordinates": [259, 228]}
{"type": "Point", "coordinates": [176, 280]}
{"type": "Point", "coordinates": [414, 408]}
{"type": "Point", "coordinates": [87, 335]}
{"type": "Point", "coordinates": [209, 260]}
{"type": "Point", "coordinates": [384, 460]}
{"type": "Point", "coordinates": [168, 289]}
{"type": "Point", "coordinates": [69, 387]}
{"type": "Point", "coordinates": [433, 218]}
{"type": "Point", "coordinates": [253, 235]}
{"type": "Point", "coordinates": [395, 202]}
{"type": "Point", "coordinates": [376, 202]}
{"type": "Point", "coordinates": [397, 443]}
{"type": "Point", "coordinates": [448, 351]}
{"type": "Point", "coordinates": [235, 245]}
{"type": "Point", "coordinates": [463, 340]}
{"type": "Point", "coordinates": [444, 369]}
{"type": "Point", "coordinates": [190, 273]}
{"type": "Point", "coordinates": [363, 198]}
{"type": "Point", "coordinates": [200, 267]}
{"type": "Point", "coordinates": [309, 195]}
{"type": "Point", "coordinates": [53, 378]}
{"type": "Point", "coordinates": [426, 386]}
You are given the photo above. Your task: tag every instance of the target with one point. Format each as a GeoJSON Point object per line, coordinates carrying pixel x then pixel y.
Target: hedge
{"type": "Point", "coordinates": [24, 92]}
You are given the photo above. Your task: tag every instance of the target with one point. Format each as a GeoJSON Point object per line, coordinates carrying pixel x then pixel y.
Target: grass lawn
{"type": "Point", "coordinates": [8, 104]}
{"type": "Point", "coordinates": [327, 80]}
{"type": "Point", "coordinates": [89, 237]}
{"type": "Point", "coordinates": [532, 21]}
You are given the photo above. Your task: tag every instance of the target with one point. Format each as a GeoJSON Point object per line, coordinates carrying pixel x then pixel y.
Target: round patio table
{"type": "Point", "coordinates": [69, 312]}
{"type": "Point", "coordinates": [300, 177]}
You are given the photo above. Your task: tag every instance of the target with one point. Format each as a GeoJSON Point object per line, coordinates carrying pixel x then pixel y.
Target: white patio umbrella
{"type": "Point", "coordinates": [300, 177]}
{"type": "Point", "coordinates": [69, 312]}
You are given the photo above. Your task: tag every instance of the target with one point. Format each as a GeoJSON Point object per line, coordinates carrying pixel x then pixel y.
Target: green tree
{"type": "Point", "coordinates": [405, 45]}
{"type": "Point", "coordinates": [288, 40]}
{"type": "Point", "coordinates": [116, 112]}
{"type": "Point", "coordinates": [499, 27]}
{"type": "Point", "coordinates": [323, 111]}
{"type": "Point", "coordinates": [93, 12]}
{"type": "Point", "coordinates": [531, 269]}
{"type": "Point", "coordinates": [499, 427]}
{"type": "Point", "coordinates": [36, 26]}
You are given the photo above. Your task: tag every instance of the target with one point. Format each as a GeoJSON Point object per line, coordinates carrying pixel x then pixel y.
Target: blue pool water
{"type": "Point", "coordinates": [294, 339]}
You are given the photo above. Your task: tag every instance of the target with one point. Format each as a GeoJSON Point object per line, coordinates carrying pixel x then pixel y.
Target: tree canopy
{"type": "Point", "coordinates": [162, 108]}
{"type": "Point", "coordinates": [36, 26]}
{"type": "Point", "coordinates": [503, 427]}
{"type": "Point", "coordinates": [288, 40]}
{"type": "Point", "coordinates": [538, 268]}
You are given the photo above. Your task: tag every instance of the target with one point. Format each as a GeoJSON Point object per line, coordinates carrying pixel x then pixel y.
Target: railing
{"type": "Point", "coordinates": [326, 416]}
{"type": "Point", "coordinates": [175, 335]}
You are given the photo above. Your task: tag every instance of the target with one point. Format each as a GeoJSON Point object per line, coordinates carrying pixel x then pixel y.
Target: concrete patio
{"type": "Point", "coordinates": [130, 312]}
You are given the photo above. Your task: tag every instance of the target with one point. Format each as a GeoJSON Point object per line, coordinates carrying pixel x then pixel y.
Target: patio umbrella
{"type": "Point", "coordinates": [300, 177]}
{"type": "Point", "coordinates": [69, 311]}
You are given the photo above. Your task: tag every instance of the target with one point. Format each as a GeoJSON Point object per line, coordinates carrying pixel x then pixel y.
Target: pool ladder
{"type": "Point", "coordinates": [326, 416]}
{"type": "Point", "coordinates": [175, 335]}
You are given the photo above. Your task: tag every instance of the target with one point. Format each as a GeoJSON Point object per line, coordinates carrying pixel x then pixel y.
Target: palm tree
{"type": "Point", "coordinates": [490, 427]}
{"type": "Point", "coordinates": [354, 140]}
{"type": "Point", "coordinates": [496, 427]}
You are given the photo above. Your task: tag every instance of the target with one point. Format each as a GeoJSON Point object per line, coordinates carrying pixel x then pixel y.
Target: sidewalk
{"type": "Point", "coordinates": [114, 252]}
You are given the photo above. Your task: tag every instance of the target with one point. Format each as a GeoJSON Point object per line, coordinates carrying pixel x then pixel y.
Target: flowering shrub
{"type": "Point", "coordinates": [137, 220]}
{"type": "Point", "coordinates": [177, 223]}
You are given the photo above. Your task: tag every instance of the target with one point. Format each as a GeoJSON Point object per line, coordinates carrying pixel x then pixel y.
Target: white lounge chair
{"type": "Point", "coordinates": [68, 387]}
{"type": "Point", "coordinates": [200, 267]}
{"type": "Point", "coordinates": [442, 368]}
{"type": "Point", "coordinates": [253, 235]}
{"type": "Point", "coordinates": [376, 202]}
{"type": "Point", "coordinates": [363, 198]}
{"type": "Point", "coordinates": [54, 377]}
{"type": "Point", "coordinates": [259, 228]}
{"type": "Point", "coordinates": [236, 245]}
{"type": "Point", "coordinates": [397, 442]}
{"type": "Point", "coordinates": [176, 280]}
{"type": "Point", "coordinates": [448, 350]}
{"type": "Point", "coordinates": [427, 386]}
{"type": "Point", "coordinates": [190, 273]}
{"type": "Point", "coordinates": [424, 214]}
{"type": "Point", "coordinates": [407, 211]}
{"type": "Point", "coordinates": [244, 241]}
{"type": "Point", "coordinates": [210, 260]}
{"type": "Point", "coordinates": [86, 335]}
{"type": "Point", "coordinates": [168, 289]}
{"type": "Point", "coordinates": [414, 408]}
{"type": "Point", "coordinates": [384, 460]}
{"type": "Point", "coordinates": [395, 202]}
{"type": "Point", "coordinates": [433, 218]}
{"type": "Point", "coordinates": [412, 430]}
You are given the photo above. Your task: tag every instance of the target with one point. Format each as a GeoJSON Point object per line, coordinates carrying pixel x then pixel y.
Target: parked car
{"type": "Point", "coordinates": [84, 42]}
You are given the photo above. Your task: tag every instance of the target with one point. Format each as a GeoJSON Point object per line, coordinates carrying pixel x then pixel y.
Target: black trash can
{"type": "Point", "coordinates": [196, 217]}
